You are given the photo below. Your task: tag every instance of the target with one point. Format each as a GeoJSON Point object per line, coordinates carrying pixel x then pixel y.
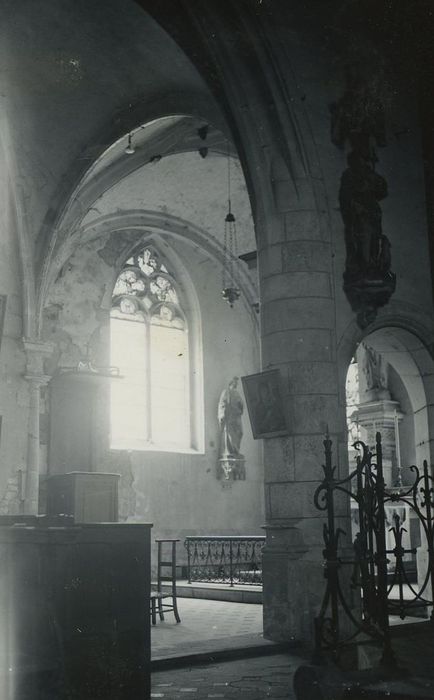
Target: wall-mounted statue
{"type": "Point", "coordinates": [358, 118]}
{"type": "Point", "coordinates": [375, 374]}
{"type": "Point", "coordinates": [231, 463]}
{"type": "Point", "coordinates": [368, 250]}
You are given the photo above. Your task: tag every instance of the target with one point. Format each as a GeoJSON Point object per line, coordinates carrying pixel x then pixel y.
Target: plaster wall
{"type": "Point", "coordinates": [187, 186]}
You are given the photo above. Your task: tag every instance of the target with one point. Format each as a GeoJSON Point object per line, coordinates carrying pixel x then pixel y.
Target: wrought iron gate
{"type": "Point", "coordinates": [357, 600]}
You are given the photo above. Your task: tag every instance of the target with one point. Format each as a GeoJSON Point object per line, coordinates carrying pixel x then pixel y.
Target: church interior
{"type": "Point", "coordinates": [216, 329]}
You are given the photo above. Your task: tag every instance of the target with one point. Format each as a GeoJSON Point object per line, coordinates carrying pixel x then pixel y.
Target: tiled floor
{"type": "Point", "coordinates": [205, 621]}
{"type": "Point", "coordinates": [253, 679]}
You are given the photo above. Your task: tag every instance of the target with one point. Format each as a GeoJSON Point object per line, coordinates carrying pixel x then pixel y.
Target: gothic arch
{"type": "Point", "coordinates": [151, 223]}
{"type": "Point", "coordinates": [98, 179]}
{"type": "Point", "coordinates": [279, 137]}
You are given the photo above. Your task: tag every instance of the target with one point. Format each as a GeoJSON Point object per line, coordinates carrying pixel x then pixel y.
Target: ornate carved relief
{"type": "Point", "coordinates": [358, 119]}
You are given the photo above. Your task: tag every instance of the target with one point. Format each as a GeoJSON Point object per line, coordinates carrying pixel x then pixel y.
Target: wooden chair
{"type": "Point", "coordinates": [166, 573]}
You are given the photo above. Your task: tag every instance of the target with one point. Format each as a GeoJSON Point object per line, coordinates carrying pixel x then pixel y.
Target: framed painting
{"type": "Point", "coordinates": [264, 404]}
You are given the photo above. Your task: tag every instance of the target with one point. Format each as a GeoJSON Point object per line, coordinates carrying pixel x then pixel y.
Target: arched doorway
{"type": "Point", "coordinates": [389, 390]}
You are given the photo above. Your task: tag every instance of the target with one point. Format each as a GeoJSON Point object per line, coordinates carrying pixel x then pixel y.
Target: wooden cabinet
{"type": "Point", "coordinates": [90, 497]}
{"type": "Point", "coordinates": [74, 602]}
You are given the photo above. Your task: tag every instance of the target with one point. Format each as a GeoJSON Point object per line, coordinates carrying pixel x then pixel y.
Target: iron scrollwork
{"type": "Point", "coordinates": [231, 560]}
{"type": "Point", "coordinates": [378, 580]}
{"type": "Point", "coordinates": [419, 498]}
{"type": "Point", "coordinates": [368, 565]}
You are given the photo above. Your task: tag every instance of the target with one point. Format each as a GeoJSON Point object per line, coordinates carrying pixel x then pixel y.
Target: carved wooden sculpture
{"type": "Point", "coordinates": [358, 118]}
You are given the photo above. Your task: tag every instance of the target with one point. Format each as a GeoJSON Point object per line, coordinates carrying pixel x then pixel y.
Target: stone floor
{"type": "Point", "coordinates": [253, 679]}
{"type": "Point", "coordinates": [211, 626]}
{"type": "Point", "coordinates": [206, 624]}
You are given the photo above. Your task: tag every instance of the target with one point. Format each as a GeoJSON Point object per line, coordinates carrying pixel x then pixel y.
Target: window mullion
{"type": "Point", "coordinates": [148, 384]}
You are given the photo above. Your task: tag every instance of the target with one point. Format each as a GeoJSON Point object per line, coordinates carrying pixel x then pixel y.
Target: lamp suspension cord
{"type": "Point", "coordinates": [229, 179]}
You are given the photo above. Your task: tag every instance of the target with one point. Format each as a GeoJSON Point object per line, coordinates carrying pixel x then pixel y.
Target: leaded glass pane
{"type": "Point", "coordinates": [128, 282]}
{"type": "Point", "coordinates": [169, 386]}
{"type": "Point", "coordinates": [147, 262]}
{"type": "Point", "coordinates": [128, 407]}
{"type": "Point", "coordinates": [163, 289]}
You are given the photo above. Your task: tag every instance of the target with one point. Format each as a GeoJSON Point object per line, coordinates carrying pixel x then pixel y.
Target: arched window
{"type": "Point", "coordinates": [151, 402]}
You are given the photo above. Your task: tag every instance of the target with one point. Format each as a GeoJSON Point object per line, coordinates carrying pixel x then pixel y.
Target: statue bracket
{"type": "Point", "coordinates": [231, 467]}
{"type": "Point", "coordinates": [367, 294]}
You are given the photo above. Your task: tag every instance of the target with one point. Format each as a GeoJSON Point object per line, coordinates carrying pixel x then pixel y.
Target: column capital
{"type": "Point", "coordinates": [38, 379]}
{"type": "Point", "coordinates": [43, 347]}
{"type": "Point", "coordinates": [36, 351]}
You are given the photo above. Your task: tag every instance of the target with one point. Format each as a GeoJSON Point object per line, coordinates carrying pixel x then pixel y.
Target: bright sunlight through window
{"type": "Point", "coordinates": [150, 402]}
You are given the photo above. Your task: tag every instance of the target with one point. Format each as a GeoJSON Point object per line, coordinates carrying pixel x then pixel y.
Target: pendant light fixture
{"type": "Point", "coordinates": [230, 286]}
{"type": "Point", "coordinates": [129, 150]}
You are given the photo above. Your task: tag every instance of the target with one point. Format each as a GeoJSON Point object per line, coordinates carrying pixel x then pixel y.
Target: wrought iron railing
{"type": "Point", "coordinates": [376, 571]}
{"type": "Point", "coordinates": [419, 498]}
{"type": "Point", "coordinates": [231, 560]}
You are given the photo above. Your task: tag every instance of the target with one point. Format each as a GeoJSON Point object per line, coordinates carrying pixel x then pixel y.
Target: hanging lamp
{"type": "Point", "coordinates": [130, 149]}
{"type": "Point", "coordinates": [230, 286]}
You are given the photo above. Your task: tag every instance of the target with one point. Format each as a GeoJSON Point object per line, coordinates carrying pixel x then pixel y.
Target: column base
{"type": "Point", "coordinates": [287, 611]}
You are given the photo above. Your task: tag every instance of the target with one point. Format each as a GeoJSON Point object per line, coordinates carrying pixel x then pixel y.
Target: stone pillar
{"type": "Point", "coordinates": [283, 588]}
{"type": "Point", "coordinates": [36, 352]}
{"type": "Point", "coordinates": [299, 339]}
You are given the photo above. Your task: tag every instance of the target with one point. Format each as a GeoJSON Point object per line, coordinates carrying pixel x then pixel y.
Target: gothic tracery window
{"type": "Point", "coordinates": [150, 403]}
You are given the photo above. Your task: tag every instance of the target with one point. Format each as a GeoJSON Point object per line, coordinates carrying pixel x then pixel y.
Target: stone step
{"type": "Point", "coordinates": [218, 591]}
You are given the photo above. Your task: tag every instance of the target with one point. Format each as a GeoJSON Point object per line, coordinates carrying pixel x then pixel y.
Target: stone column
{"type": "Point", "coordinates": [36, 352]}
{"type": "Point", "coordinates": [283, 588]}
{"type": "Point", "coordinates": [299, 339]}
